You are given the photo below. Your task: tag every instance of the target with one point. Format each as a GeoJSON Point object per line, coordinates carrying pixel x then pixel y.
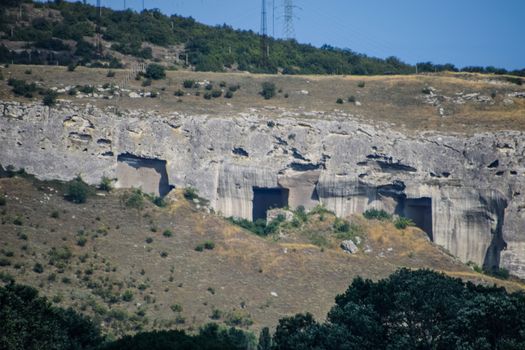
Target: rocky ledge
{"type": "Point", "coordinates": [467, 193]}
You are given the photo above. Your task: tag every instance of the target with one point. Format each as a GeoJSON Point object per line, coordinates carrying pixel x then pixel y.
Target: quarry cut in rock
{"type": "Point", "coordinates": [467, 193]}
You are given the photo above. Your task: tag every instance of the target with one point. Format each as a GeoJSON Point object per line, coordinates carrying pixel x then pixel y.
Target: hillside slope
{"type": "Point", "coordinates": [118, 265]}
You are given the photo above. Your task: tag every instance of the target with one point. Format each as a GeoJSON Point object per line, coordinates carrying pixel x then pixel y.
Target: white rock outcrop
{"type": "Point", "coordinates": [466, 192]}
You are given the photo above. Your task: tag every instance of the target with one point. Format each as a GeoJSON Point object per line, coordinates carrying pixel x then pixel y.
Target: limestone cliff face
{"type": "Point", "coordinates": [467, 193]}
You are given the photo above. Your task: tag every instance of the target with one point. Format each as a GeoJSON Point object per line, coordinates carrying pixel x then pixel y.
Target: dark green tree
{"type": "Point", "coordinates": [29, 322]}
{"type": "Point", "coordinates": [265, 340]}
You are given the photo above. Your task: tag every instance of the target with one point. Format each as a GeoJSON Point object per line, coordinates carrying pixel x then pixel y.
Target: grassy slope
{"type": "Point", "coordinates": [396, 100]}
{"type": "Point", "coordinates": [237, 276]}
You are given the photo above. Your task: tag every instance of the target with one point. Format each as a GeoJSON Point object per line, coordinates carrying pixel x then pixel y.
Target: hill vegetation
{"type": "Point", "coordinates": [64, 33]}
{"type": "Point", "coordinates": [409, 310]}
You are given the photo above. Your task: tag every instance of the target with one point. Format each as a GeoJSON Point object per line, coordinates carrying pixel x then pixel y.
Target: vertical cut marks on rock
{"type": "Point", "coordinates": [148, 174]}
{"type": "Point", "coordinates": [268, 198]}
{"type": "Point", "coordinates": [419, 210]}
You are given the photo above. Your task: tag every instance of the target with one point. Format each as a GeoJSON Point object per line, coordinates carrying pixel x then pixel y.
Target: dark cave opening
{"type": "Point", "coordinates": [419, 210]}
{"type": "Point", "coordinates": [268, 198]}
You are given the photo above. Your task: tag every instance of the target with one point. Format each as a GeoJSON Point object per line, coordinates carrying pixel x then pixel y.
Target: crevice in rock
{"type": "Point", "coordinates": [492, 257]}
{"type": "Point", "coordinates": [494, 164]}
{"type": "Point", "coordinates": [305, 166]}
{"type": "Point", "coordinates": [104, 142]}
{"type": "Point", "coordinates": [297, 155]}
{"type": "Point", "coordinates": [77, 137]}
{"type": "Point", "coordinates": [239, 151]}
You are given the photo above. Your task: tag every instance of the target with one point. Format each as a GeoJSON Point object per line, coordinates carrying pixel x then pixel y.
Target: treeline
{"type": "Point", "coordinates": [207, 48]}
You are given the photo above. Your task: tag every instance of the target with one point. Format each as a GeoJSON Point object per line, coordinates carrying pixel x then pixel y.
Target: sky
{"type": "Point", "coordinates": [462, 32]}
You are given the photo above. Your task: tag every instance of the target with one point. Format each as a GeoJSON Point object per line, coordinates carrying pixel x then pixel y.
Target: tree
{"type": "Point", "coordinates": [77, 190]}
{"type": "Point", "coordinates": [412, 310]}
{"type": "Point", "coordinates": [50, 98]}
{"type": "Point", "coordinates": [265, 340]}
{"type": "Point", "coordinates": [268, 90]}
{"type": "Point", "coordinates": [155, 71]}
{"type": "Point", "coordinates": [30, 322]}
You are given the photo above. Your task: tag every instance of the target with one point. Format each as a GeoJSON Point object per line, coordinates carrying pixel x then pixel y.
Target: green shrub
{"type": "Point", "coordinates": [50, 98]}
{"type": "Point", "coordinates": [500, 272]}
{"type": "Point", "coordinates": [207, 96]}
{"type": "Point", "coordinates": [352, 99]}
{"type": "Point", "coordinates": [268, 90]}
{"type": "Point", "coordinates": [339, 101]}
{"type": "Point", "coordinates": [209, 245]}
{"type": "Point", "coordinates": [188, 84]}
{"type": "Point", "coordinates": [59, 255]}
{"type": "Point", "coordinates": [167, 233]}
{"type": "Point", "coordinates": [38, 268]}
{"type": "Point", "coordinates": [127, 296]}
{"type": "Point", "coordinates": [176, 308]}
{"type": "Point", "coordinates": [237, 318]}
{"type": "Point", "coordinates": [77, 190]}
{"type": "Point", "coordinates": [87, 89]}
{"type": "Point", "coordinates": [199, 247]}
{"type": "Point", "coordinates": [341, 226]}
{"type": "Point", "coordinates": [81, 241]}
{"type": "Point", "coordinates": [361, 84]}
{"type": "Point", "coordinates": [159, 201]}
{"type": "Point", "coordinates": [179, 93]}
{"type": "Point", "coordinates": [155, 71]}
{"type": "Point", "coordinates": [190, 193]}
{"type": "Point", "coordinates": [234, 88]}
{"type": "Point", "coordinates": [71, 67]}
{"type": "Point", "coordinates": [28, 72]}
{"type": "Point", "coordinates": [5, 262]}
{"type": "Point", "coordinates": [260, 227]}
{"type": "Point", "coordinates": [401, 223]}
{"type": "Point", "coordinates": [216, 93]}
{"type": "Point", "coordinates": [216, 314]}
{"type": "Point", "coordinates": [163, 254]}
{"type": "Point", "coordinates": [300, 214]}
{"type": "Point", "coordinates": [209, 87]}
{"type": "Point", "coordinates": [106, 184]}
{"type": "Point", "coordinates": [149, 240]}
{"type": "Point", "coordinates": [55, 214]}
{"type": "Point", "coordinates": [134, 199]}
{"type": "Point", "coordinates": [146, 82]}
{"type": "Point", "coordinates": [110, 74]}
{"type": "Point", "coordinates": [426, 91]}
{"type": "Point", "coordinates": [21, 88]}
{"type": "Point", "coordinates": [18, 221]}
{"type": "Point", "coordinates": [375, 214]}
{"type": "Point", "coordinates": [3, 201]}
{"type": "Point", "coordinates": [228, 94]}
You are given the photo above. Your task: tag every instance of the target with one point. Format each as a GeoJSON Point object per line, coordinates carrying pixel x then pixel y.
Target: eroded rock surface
{"type": "Point", "coordinates": [467, 193]}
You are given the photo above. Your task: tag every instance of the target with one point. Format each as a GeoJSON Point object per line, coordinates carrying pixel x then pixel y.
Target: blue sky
{"type": "Point", "coordinates": [462, 32]}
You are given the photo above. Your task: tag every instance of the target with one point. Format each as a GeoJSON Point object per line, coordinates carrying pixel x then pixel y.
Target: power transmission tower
{"type": "Point", "coordinates": [273, 18]}
{"type": "Point", "coordinates": [288, 30]}
{"type": "Point", "coordinates": [265, 45]}
{"type": "Point", "coordinates": [98, 30]}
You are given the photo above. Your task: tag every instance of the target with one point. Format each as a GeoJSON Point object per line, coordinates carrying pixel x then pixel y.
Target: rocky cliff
{"type": "Point", "coordinates": [467, 193]}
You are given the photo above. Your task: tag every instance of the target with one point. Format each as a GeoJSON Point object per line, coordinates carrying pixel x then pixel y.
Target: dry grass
{"type": "Point", "coordinates": [395, 100]}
